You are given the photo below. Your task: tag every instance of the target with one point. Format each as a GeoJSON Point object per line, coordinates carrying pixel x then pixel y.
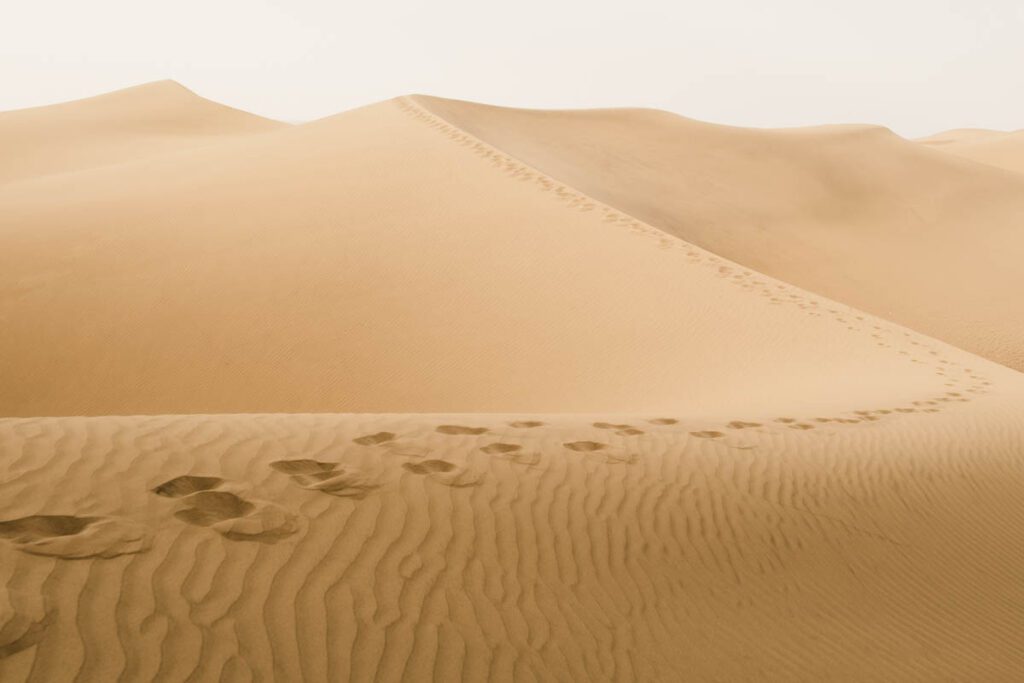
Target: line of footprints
{"type": "Point", "coordinates": [223, 506]}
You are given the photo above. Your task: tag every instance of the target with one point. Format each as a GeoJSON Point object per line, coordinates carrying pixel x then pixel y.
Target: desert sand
{"type": "Point", "coordinates": [995, 148]}
{"type": "Point", "coordinates": [855, 213]}
{"type": "Point", "coordinates": [431, 390]}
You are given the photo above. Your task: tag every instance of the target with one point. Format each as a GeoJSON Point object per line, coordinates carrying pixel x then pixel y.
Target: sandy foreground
{"type": "Point", "coordinates": [430, 390]}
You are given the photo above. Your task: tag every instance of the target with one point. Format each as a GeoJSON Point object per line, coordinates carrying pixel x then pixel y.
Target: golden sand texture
{"type": "Point", "coordinates": [383, 260]}
{"type": "Point", "coordinates": [118, 127]}
{"type": "Point", "coordinates": [258, 547]}
{"type": "Point", "coordinates": [995, 148]}
{"type": "Point", "coordinates": [854, 213]}
{"type": "Point", "coordinates": [435, 391]}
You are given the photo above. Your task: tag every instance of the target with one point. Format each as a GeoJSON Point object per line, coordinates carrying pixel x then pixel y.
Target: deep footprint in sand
{"type": "Point", "coordinates": [18, 632]}
{"type": "Point", "coordinates": [303, 466]}
{"type": "Point", "coordinates": [513, 452]}
{"type": "Point", "coordinates": [184, 485]}
{"type": "Point", "coordinates": [526, 424]}
{"type": "Point", "coordinates": [328, 477]}
{"type": "Point", "coordinates": [599, 449]}
{"type": "Point", "coordinates": [429, 466]}
{"type": "Point", "coordinates": [443, 472]}
{"type": "Point", "coordinates": [500, 448]}
{"type": "Point", "coordinates": [237, 519]}
{"type": "Point", "coordinates": [461, 430]}
{"type": "Point", "coordinates": [610, 425]}
{"type": "Point", "coordinates": [585, 446]}
{"type": "Point", "coordinates": [375, 439]}
{"type": "Point", "coordinates": [73, 537]}
{"type": "Point", "coordinates": [662, 421]}
{"type": "Point", "coordinates": [387, 441]}
{"type": "Point", "coordinates": [740, 424]}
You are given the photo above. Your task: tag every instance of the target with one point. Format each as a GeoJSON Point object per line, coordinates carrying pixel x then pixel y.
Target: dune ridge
{"type": "Point", "coordinates": [619, 350]}
{"type": "Point", "coordinates": [125, 125]}
{"type": "Point", "coordinates": [377, 398]}
{"type": "Point", "coordinates": [826, 208]}
{"type": "Point", "coordinates": [995, 148]}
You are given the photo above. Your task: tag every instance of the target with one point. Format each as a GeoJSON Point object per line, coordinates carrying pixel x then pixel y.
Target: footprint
{"type": "Point", "coordinates": [206, 508]}
{"type": "Point", "coordinates": [429, 466]}
{"type": "Point", "coordinates": [500, 448]}
{"type": "Point", "coordinates": [387, 441]}
{"type": "Point", "coordinates": [513, 452]}
{"type": "Point", "coordinates": [630, 431]}
{"type": "Point", "coordinates": [585, 446]}
{"type": "Point", "coordinates": [20, 633]}
{"type": "Point", "coordinates": [303, 466]}
{"type": "Point", "coordinates": [526, 424]}
{"type": "Point", "coordinates": [801, 425]}
{"type": "Point", "coordinates": [325, 477]}
{"type": "Point", "coordinates": [343, 484]}
{"type": "Point", "coordinates": [374, 439]}
{"type": "Point", "coordinates": [458, 429]}
{"type": "Point", "coordinates": [438, 471]}
{"type": "Point", "coordinates": [708, 434]}
{"type": "Point", "coordinates": [71, 537]}
{"type": "Point", "coordinates": [663, 421]}
{"type": "Point", "coordinates": [609, 425]}
{"type": "Point", "coordinates": [237, 519]}
{"type": "Point", "coordinates": [740, 424]}
{"type": "Point", "coordinates": [184, 485]}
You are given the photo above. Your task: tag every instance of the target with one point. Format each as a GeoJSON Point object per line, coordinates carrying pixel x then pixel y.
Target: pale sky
{"type": "Point", "coordinates": [917, 66]}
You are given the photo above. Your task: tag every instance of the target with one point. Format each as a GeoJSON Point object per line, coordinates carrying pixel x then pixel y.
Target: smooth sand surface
{"type": "Point", "coordinates": [995, 148]}
{"type": "Point", "coordinates": [854, 213]}
{"type": "Point", "coordinates": [409, 408]}
{"type": "Point", "coordinates": [382, 260]}
{"type": "Point", "coordinates": [117, 127]}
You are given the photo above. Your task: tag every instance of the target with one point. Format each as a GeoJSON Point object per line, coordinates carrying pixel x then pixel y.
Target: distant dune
{"type": "Point", "coordinates": [121, 126]}
{"type": "Point", "coordinates": [854, 213]}
{"type": "Point", "coordinates": [995, 148]}
{"type": "Point", "coordinates": [432, 390]}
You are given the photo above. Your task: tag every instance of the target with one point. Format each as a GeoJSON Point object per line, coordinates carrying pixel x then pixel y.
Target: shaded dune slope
{"type": "Point", "coordinates": [384, 260]}
{"type": "Point", "coordinates": [134, 123]}
{"type": "Point", "coordinates": [995, 148]}
{"type": "Point", "coordinates": [854, 213]}
{"type": "Point", "coordinates": [623, 458]}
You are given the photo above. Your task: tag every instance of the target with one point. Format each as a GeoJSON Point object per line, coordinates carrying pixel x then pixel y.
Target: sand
{"type": "Point", "coordinates": [118, 127]}
{"type": "Point", "coordinates": [854, 213]}
{"type": "Point", "coordinates": [995, 148]}
{"type": "Point", "coordinates": [407, 407]}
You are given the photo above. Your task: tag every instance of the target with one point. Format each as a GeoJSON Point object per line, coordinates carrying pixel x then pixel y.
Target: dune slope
{"type": "Point", "coordinates": [495, 547]}
{"type": "Point", "coordinates": [121, 126]}
{"type": "Point", "coordinates": [382, 260]}
{"type": "Point", "coordinates": [995, 148]}
{"type": "Point", "coordinates": [487, 427]}
{"type": "Point", "coordinates": [854, 213]}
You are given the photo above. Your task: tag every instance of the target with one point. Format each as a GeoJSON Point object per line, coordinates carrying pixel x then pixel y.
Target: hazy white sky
{"type": "Point", "coordinates": [917, 66]}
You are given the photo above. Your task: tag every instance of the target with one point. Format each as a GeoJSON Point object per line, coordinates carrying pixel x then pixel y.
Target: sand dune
{"type": "Point", "coordinates": [121, 126]}
{"type": "Point", "coordinates": [280, 547]}
{"type": "Point", "coordinates": [495, 424]}
{"type": "Point", "coordinates": [383, 260]}
{"type": "Point", "coordinates": [854, 213]}
{"type": "Point", "coordinates": [995, 148]}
